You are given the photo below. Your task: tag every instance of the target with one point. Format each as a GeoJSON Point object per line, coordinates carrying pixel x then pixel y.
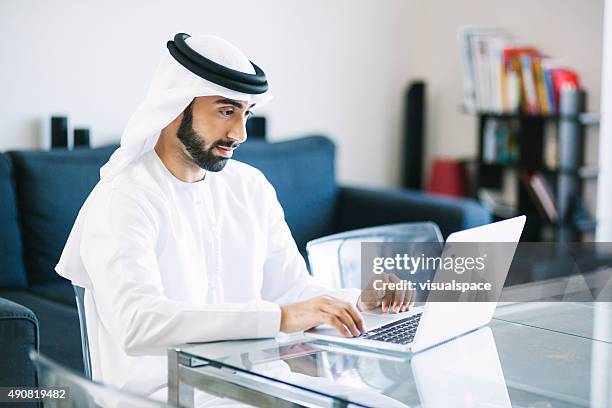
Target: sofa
{"type": "Point", "coordinates": [41, 193]}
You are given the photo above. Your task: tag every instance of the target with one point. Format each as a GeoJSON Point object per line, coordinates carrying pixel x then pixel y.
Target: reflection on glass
{"type": "Point", "coordinates": [465, 372]}
{"type": "Point", "coordinates": [462, 372]}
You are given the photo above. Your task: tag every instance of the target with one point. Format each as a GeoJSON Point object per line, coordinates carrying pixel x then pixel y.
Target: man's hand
{"type": "Point", "coordinates": [320, 310]}
{"type": "Point", "coordinates": [398, 300]}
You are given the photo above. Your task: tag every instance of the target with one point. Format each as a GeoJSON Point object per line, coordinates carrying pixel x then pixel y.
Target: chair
{"type": "Point", "coordinates": [82, 392]}
{"type": "Point", "coordinates": [335, 260]}
{"type": "Point", "coordinates": [79, 294]}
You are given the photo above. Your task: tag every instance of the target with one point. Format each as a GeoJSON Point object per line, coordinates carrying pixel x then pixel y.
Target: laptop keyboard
{"type": "Point", "coordinates": [398, 332]}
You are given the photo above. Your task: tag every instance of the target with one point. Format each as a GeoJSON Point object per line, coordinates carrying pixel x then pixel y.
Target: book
{"type": "Point", "coordinates": [482, 71]}
{"type": "Point", "coordinates": [540, 85]}
{"type": "Point", "coordinates": [496, 46]}
{"type": "Point", "coordinates": [500, 143]}
{"type": "Point", "coordinates": [544, 194]}
{"type": "Point", "coordinates": [521, 90]}
{"type": "Point", "coordinates": [530, 98]}
{"type": "Point", "coordinates": [501, 75]}
{"type": "Point", "coordinates": [480, 50]}
{"type": "Point", "coordinates": [469, 91]}
{"type": "Point", "coordinates": [563, 79]}
{"type": "Point", "coordinates": [547, 68]}
{"type": "Point", "coordinates": [541, 193]}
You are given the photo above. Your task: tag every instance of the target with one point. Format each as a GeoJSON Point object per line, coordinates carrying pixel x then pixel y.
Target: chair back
{"type": "Point", "coordinates": [335, 260]}
{"type": "Point", "coordinates": [82, 392]}
{"type": "Point", "coordinates": [79, 294]}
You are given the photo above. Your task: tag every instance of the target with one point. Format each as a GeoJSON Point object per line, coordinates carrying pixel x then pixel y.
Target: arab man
{"type": "Point", "coordinates": [178, 243]}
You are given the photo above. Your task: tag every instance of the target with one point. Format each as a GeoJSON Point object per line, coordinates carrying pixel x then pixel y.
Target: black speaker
{"type": "Point", "coordinates": [414, 135]}
{"type": "Point", "coordinates": [59, 132]}
{"type": "Point", "coordinates": [256, 127]}
{"type": "Point", "coordinates": [81, 137]}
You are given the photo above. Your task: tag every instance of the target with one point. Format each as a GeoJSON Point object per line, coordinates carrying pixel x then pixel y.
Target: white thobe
{"type": "Point", "coordinates": [173, 262]}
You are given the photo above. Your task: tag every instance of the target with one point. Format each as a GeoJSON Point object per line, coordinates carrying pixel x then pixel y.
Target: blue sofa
{"type": "Point", "coordinates": [41, 193]}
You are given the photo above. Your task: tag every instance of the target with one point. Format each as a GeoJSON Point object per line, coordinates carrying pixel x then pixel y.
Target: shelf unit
{"type": "Point", "coordinates": [567, 180]}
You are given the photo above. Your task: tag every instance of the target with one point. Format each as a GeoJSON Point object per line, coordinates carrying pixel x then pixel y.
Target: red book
{"type": "Point", "coordinates": [564, 78]}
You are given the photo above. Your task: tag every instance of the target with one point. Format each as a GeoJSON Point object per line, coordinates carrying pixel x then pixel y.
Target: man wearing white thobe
{"type": "Point", "coordinates": [178, 243]}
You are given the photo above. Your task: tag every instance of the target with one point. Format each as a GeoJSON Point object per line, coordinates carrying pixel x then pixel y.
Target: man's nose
{"type": "Point", "coordinates": [238, 132]}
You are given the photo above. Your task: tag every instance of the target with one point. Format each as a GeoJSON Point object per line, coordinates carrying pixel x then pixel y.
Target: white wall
{"type": "Point", "coordinates": [338, 67]}
{"type": "Point", "coordinates": [327, 64]}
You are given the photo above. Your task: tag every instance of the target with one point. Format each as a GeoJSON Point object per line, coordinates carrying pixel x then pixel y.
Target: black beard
{"type": "Point", "coordinates": [205, 158]}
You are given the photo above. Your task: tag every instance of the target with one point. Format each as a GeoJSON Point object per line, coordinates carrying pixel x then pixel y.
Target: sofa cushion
{"type": "Point", "coordinates": [360, 207]}
{"type": "Point", "coordinates": [12, 273]}
{"type": "Point", "coordinates": [61, 291]}
{"type": "Point", "coordinates": [60, 335]}
{"type": "Point", "coordinates": [302, 172]}
{"type": "Point", "coordinates": [18, 335]}
{"type": "Point", "coordinates": [51, 188]}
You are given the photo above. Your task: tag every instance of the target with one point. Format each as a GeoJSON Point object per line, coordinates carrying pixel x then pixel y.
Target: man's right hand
{"type": "Point", "coordinates": [322, 310]}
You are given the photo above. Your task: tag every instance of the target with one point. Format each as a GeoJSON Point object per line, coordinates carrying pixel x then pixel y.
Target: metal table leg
{"type": "Point", "coordinates": [179, 394]}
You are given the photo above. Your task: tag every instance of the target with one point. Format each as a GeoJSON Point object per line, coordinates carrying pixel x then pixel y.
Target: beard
{"type": "Point", "coordinates": [202, 156]}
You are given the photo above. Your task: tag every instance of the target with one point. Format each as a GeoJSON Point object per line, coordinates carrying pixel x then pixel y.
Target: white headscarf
{"type": "Point", "coordinates": [172, 89]}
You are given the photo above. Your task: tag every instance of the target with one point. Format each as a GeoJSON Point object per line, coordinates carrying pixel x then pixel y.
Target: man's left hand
{"type": "Point", "coordinates": [398, 300]}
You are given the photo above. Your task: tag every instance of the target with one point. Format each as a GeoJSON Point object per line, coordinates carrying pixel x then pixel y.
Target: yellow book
{"type": "Point", "coordinates": [541, 86]}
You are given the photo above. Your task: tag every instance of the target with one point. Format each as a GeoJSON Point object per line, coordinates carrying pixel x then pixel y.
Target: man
{"type": "Point", "coordinates": [177, 243]}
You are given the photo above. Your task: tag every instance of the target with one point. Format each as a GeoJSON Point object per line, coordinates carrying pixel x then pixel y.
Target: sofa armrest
{"type": "Point", "coordinates": [361, 207]}
{"type": "Point", "coordinates": [18, 335]}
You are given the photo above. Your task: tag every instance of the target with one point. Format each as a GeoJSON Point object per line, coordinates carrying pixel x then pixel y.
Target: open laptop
{"type": "Point", "coordinates": [435, 322]}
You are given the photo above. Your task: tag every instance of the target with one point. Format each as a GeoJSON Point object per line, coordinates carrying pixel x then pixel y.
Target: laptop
{"type": "Point", "coordinates": [435, 322]}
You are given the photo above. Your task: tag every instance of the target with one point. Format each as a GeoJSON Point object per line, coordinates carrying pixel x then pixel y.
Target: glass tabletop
{"type": "Point", "coordinates": [512, 362]}
{"type": "Point", "coordinates": [592, 320]}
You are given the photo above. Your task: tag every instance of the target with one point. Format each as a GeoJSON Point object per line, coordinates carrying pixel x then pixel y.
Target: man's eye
{"type": "Point", "coordinates": [227, 112]}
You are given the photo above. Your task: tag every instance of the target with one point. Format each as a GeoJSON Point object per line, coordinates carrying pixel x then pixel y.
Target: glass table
{"type": "Point", "coordinates": [537, 354]}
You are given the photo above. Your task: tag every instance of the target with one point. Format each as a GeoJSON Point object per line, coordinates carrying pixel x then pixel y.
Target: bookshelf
{"type": "Point", "coordinates": [565, 181]}
{"type": "Point", "coordinates": [532, 126]}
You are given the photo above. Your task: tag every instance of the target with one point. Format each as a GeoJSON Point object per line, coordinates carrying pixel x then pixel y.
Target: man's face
{"type": "Point", "coordinates": [211, 128]}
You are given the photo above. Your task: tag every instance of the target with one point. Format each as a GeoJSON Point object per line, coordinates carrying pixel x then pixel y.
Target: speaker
{"type": "Point", "coordinates": [81, 137]}
{"type": "Point", "coordinates": [414, 135]}
{"type": "Point", "coordinates": [256, 127]}
{"type": "Point", "coordinates": [59, 132]}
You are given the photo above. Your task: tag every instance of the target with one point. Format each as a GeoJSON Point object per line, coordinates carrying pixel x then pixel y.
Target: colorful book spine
{"type": "Point", "coordinates": [550, 92]}
{"type": "Point", "coordinates": [503, 76]}
{"type": "Point", "coordinates": [543, 106]}
{"type": "Point", "coordinates": [544, 195]}
{"type": "Point", "coordinates": [530, 101]}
